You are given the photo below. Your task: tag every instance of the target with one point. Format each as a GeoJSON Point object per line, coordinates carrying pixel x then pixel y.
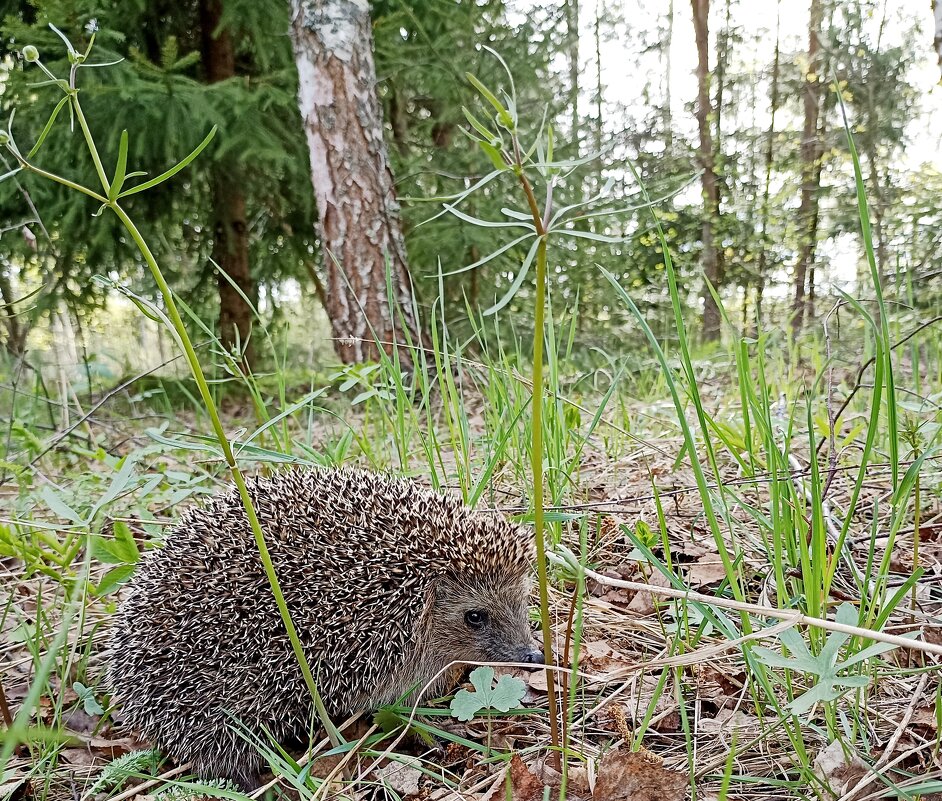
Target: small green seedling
{"type": "Point", "coordinates": [504, 697]}
{"type": "Point", "coordinates": [87, 697]}
{"type": "Point", "coordinates": [121, 551]}
{"type": "Point", "coordinates": [831, 685]}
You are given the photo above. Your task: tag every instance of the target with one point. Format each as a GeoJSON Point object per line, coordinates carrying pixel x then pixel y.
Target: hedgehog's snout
{"type": "Point", "coordinates": [532, 655]}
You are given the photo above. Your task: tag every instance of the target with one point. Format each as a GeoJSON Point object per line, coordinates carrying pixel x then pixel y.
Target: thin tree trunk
{"type": "Point", "coordinates": [15, 341]}
{"type": "Point", "coordinates": [764, 243]}
{"type": "Point", "coordinates": [230, 229]}
{"type": "Point", "coordinates": [572, 33]}
{"type": "Point", "coordinates": [599, 94]}
{"type": "Point", "coordinates": [710, 189]}
{"type": "Point", "coordinates": [810, 172]}
{"type": "Point", "coordinates": [398, 120]}
{"type": "Point", "coordinates": [668, 112]}
{"type": "Point", "coordinates": [358, 214]}
{"type": "Point", "coordinates": [937, 14]}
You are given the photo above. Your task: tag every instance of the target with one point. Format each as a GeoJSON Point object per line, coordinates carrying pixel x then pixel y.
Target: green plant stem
{"type": "Point", "coordinates": [917, 508]}
{"type": "Point", "coordinates": [92, 149]}
{"type": "Point", "coordinates": [60, 180]}
{"type": "Point", "coordinates": [234, 470]}
{"type": "Point", "coordinates": [206, 396]}
{"type": "Point", "coordinates": [536, 457]}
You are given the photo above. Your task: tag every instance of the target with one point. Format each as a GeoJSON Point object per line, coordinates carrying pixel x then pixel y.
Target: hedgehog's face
{"type": "Point", "coordinates": [483, 621]}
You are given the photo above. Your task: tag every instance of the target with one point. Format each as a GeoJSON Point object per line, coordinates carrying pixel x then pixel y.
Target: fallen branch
{"type": "Point", "coordinates": [569, 559]}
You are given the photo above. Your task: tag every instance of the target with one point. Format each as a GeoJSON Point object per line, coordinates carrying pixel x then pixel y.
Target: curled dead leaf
{"type": "Point", "coordinates": [524, 785]}
{"type": "Point", "coordinates": [638, 776]}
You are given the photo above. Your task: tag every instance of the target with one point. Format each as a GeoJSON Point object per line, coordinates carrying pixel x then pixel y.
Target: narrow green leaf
{"type": "Point", "coordinates": [518, 281]}
{"type": "Point", "coordinates": [114, 578]}
{"type": "Point", "coordinates": [48, 127]}
{"type": "Point", "coordinates": [503, 115]}
{"type": "Point", "coordinates": [494, 155]}
{"type": "Point", "coordinates": [173, 170]}
{"type": "Point", "coordinates": [59, 506]}
{"type": "Point", "coordinates": [478, 125]}
{"type": "Point", "coordinates": [121, 168]}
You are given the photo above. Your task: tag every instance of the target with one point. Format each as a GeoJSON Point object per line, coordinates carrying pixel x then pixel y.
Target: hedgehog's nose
{"type": "Point", "coordinates": [533, 656]}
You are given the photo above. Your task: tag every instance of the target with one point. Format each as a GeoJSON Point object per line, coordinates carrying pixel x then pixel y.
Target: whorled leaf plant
{"type": "Point", "coordinates": [500, 137]}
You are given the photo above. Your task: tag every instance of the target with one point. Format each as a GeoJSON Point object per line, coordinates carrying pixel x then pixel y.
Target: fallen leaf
{"type": "Point", "coordinates": [717, 685]}
{"type": "Point", "coordinates": [16, 789]}
{"type": "Point", "coordinates": [524, 786]}
{"type": "Point", "coordinates": [401, 775]}
{"type": "Point", "coordinates": [638, 776]}
{"type": "Point", "coordinates": [644, 602]}
{"type": "Point", "coordinates": [839, 770]}
{"type": "Point", "coordinates": [538, 681]}
{"type": "Point", "coordinates": [706, 570]}
{"type": "Point", "coordinates": [727, 720]}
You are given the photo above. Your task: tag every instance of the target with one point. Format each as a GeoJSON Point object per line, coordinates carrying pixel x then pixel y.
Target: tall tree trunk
{"type": "Point", "coordinates": [599, 95]}
{"type": "Point", "coordinates": [230, 229]}
{"type": "Point", "coordinates": [667, 44]}
{"type": "Point", "coordinates": [810, 170]}
{"type": "Point", "coordinates": [572, 45]}
{"type": "Point", "coordinates": [937, 14]}
{"type": "Point", "coordinates": [710, 189]}
{"type": "Point", "coordinates": [764, 242]}
{"type": "Point", "coordinates": [15, 341]}
{"type": "Point", "coordinates": [358, 214]}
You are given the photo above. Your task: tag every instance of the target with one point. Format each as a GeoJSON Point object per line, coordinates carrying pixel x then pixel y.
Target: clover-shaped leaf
{"type": "Point", "coordinates": [825, 666]}
{"type": "Point", "coordinates": [504, 697]}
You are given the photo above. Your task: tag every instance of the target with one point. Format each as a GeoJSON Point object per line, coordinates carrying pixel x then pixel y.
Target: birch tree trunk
{"type": "Point", "coordinates": [710, 187]}
{"type": "Point", "coordinates": [358, 214]}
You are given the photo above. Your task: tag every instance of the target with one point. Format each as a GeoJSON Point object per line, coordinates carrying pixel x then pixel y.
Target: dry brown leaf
{"type": "Point", "coordinates": [524, 785]}
{"type": "Point", "coordinates": [706, 570]}
{"type": "Point", "coordinates": [727, 720]}
{"type": "Point", "coordinates": [644, 602]}
{"type": "Point", "coordinates": [717, 685]}
{"type": "Point", "coordinates": [401, 775]}
{"type": "Point", "coordinates": [537, 681]}
{"type": "Point", "coordinates": [839, 771]}
{"type": "Point", "coordinates": [638, 776]}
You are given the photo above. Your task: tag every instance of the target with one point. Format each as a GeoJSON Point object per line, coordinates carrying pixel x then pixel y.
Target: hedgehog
{"type": "Point", "coordinates": [387, 583]}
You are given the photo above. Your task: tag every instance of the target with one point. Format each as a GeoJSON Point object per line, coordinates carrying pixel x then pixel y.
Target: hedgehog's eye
{"type": "Point", "coordinates": [476, 618]}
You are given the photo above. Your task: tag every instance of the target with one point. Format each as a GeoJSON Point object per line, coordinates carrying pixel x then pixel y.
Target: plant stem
{"type": "Point", "coordinates": [536, 457]}
{"type": "Point", "coordinates": [206, 396]}
{"type": "Point", "coordinates": [234, 470]}
{"type": "Point", "coordinates": [917, 504]}
{"type": "Point", "coordinates": [60, 180]}
{"type": "Point", "coordinates": [92, 149]}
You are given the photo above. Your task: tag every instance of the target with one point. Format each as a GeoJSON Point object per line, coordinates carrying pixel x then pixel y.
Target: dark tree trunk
{"type": "Point", "coordinates": [764, 243]}
{"type": "Point", "coordinates": [710, 187]}
{"type": "Point", "coordinates": [230, 229]}
{"type": "Point", "coordinates": [399, 121]}
{"type": "Point", "coordinates": [810, 168]}
{"type": "Point", "coordinates": [358, 214]}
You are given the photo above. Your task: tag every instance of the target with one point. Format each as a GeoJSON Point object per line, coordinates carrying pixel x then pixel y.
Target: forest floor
{"type": "Point", "coordinates": [673, 700]}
